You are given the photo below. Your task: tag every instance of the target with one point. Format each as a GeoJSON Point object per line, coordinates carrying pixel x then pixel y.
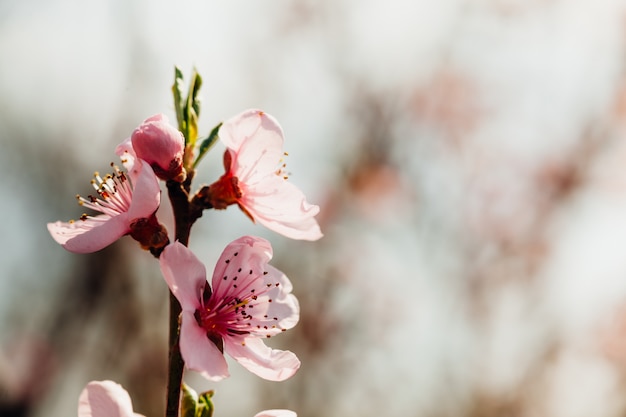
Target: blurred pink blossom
{"type": "Point", "coordinates": [251, 301]}
{"type": "Point", "coordinates": [105, 399]}
{"type": "Point", "coordinates": [276, 413]}
{"type": "Point", "coordinates": [159, 144]}
{"type": "Point", "coordinates": [255, 180]}
{"type": "Point", "coordinates": [125, 209]}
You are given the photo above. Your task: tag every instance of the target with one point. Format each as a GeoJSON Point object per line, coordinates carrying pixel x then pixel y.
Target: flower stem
{"type": "Point", "coordinates": [176, 363]}
{"type": "Point", "coordinates": [184, 218]}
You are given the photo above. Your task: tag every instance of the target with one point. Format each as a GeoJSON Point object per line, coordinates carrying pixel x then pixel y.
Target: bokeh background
{"type": "Point", "coordinates": [469, 158]}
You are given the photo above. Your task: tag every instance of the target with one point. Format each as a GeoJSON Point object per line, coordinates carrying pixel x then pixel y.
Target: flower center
{"type": "Point", "coordinates": [225, 318]}
{"type": "Point", "coordinates": [114, 194]}
{"type": "Point", "coordinates": [239, 306]}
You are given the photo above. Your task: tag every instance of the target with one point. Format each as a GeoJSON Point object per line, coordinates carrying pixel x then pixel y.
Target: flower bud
{"type": "Point", "coordinates": [162, 146]}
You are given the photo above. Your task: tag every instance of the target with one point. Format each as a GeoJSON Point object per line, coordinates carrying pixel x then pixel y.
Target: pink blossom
{"type": "Point", "coordinates": [255, 180]}
{"type": "Point", "coordinates": [125, 209]}
{"type": "Point", "coordinates": [105, 399]}
{"type": "Point", "coordinates": [250, 301]}
{"type": "Point", "coordinates": [159, 144]}
{"type": "Point", "coordinates": [276, 413]}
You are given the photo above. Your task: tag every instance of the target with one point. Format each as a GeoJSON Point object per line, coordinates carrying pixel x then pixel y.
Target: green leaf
{"type": "Point", "coordinates": [205, 405]}
{"type": "Point", "coordinates": [192, 127]}
{"type": "Point", "coordinates": [194, 89]}
{"type": "Point", "coordinates": [177, 91]}
{"type": "Point", "coordinates": [192, 108]}
{"type": "Point", "coordinates": [207, 143]}
{"type": "Point", "coordinates": [189, 406]}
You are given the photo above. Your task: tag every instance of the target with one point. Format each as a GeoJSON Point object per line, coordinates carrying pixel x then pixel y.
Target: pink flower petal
{"type": "Point", "coordinates": [199, 352]}
{"type": "Point", "coordinates": [258, 253]}
{"type": "Point", "coordinates": [238, 129]}
{"type": "Point", "coordinates": [146, 194]}
{"type": "Point", "coordinates": [184, 274]}
{"type": "Point", "coordinates": [276, 413]}
{"type": "Point", "coordinates": [256, 141]}
{"type": "Point", "coordinates": [90, 235]}
{"type": "Point", "coordinates": [284, 310]}
{"type": "Point", "coordinates": [268, 363]}
{"type": "Point", "coordinates": [282, 207]}
{"type": "Point", "coordinates": [159, 117]}
{"type": "Point", "coordinates": [105, 399]}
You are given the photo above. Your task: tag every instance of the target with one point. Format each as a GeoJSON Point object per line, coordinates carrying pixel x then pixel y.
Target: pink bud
{"type": "Point", "coordinates": [162, 146]}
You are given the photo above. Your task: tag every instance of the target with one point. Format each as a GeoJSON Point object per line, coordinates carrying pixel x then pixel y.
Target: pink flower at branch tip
{"type": "Point", "coordinates": [255, 180]}
{"type": "Point", "coordinates": [159, 144]}
{"type": "Point", "coordinates": [105, 399]}
{"type": "Point", "coordinates": [249, 301]}
{"type": "Point", "coordinates": [124, 209]}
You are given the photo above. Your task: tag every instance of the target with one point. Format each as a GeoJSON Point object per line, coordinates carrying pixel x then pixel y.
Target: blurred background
{"type": "Point", "coordinates": [470, 164]}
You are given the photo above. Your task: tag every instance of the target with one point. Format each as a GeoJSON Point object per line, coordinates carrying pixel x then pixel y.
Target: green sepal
{"type": "Point", "coordinates": [192, 108]}
{"type": "Point", "coordinates": [205, 405]}
{"type": "Point", "coordinates": [189, 406]}
{"type": "Point", "coordinates": [177, 91]}
{"type": "Point", "coordinates": [207, 143]}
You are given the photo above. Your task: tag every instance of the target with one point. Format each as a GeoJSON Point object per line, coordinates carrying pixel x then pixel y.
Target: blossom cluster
{"type": "Point", "coordinates": [246, 300]}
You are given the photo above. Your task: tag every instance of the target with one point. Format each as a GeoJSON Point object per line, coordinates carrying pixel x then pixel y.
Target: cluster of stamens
{"type": "Point", "coordinates": [233, 314]}
{"type": "Point", "coordinates": [281, 169]}
{"type": "Point", "coordinates": [114, 194]}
